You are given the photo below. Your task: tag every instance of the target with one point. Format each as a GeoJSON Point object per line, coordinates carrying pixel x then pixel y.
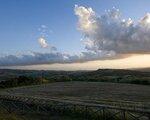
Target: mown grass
{"type": "Point", "coordinates": [8, 116]}
{"type": "Point", "coordinates": [4, 115]}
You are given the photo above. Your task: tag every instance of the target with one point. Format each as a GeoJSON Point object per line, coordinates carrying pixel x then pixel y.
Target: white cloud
{"type": "Point", "coordinates": [110, 33]}
{"type": "Point", "coordinates": [105, 37]}
{"type": "Point", "coordinates": [145, 21]}
{"type": "Point", "coordinates": [86, 18]}
{"type": "Point", "coordinates": [44, 34]}
{"type": "Point", "coordinates": [43, 43]}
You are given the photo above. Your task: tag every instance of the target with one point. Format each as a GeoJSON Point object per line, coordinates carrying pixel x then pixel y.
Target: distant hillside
{"type": "Point", "coordinates": [119, 72]}
{"type": "Point", "coordinates": [100, 75]}
{"type": "Point", "coordinates": [115, 75]}
{"type": "Point", "coordinates": [143, 69]}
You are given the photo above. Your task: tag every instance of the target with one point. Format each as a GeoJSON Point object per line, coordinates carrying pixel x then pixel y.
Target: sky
{"type": "Point", "coordinates": [72, 34]}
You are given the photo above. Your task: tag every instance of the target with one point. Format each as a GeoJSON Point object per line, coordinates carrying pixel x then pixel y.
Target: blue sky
{"type": "Point", "coordinates": [20, 20]}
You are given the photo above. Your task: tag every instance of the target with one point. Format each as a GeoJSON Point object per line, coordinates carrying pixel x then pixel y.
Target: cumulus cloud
{"type": "Point", "coordinates": [110, 33]}
{"type": "Point", "coordinates": [34, 58]}
{"type": "Point", "coordinates": [105, 36]}
{"type": "Point", "coordinates": [86, 18]}
{"type": "Point", "coordinates": [44, 31]}
{"type": "Point", "coordinates": [43, 43]}
{"type": "Point", "coordinates": [42, 40]}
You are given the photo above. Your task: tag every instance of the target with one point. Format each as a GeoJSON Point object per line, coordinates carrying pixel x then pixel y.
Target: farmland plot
{"type": "Point", "coordinates": [120, 98]}
{"type": "Point", "coordinates": [86, 91]}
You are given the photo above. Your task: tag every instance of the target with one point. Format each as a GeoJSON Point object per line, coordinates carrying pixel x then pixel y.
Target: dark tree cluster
{"type": "Point", "coordinates": [21, 81]}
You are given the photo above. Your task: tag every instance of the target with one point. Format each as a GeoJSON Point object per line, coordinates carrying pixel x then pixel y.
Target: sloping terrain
{"type": "Point", "coordinates": [100, 75]}
{"type": "Point", "coordinates": [86, 91]}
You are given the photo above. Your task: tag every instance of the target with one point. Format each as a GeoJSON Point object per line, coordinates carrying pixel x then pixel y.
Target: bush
{"type": "Point", "coordinates": [22, 81]}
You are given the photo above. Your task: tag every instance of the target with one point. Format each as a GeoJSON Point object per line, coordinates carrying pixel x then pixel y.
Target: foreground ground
{"type": "Point", "coordinates": [13, 116]}
{"type": "Point", "coordinates": [90, 92]}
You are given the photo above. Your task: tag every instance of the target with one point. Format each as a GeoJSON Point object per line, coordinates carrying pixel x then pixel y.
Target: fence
{"type": "Point", "coordinates": [86, 111]}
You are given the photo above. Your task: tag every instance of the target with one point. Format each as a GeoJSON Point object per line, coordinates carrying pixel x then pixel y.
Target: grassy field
{"type": "Point", "coordinates": [12, 116]}
{"type": "Point", "coordinates": [4, 115]}
{"type": "Point", "coordinates": [86, 91]}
